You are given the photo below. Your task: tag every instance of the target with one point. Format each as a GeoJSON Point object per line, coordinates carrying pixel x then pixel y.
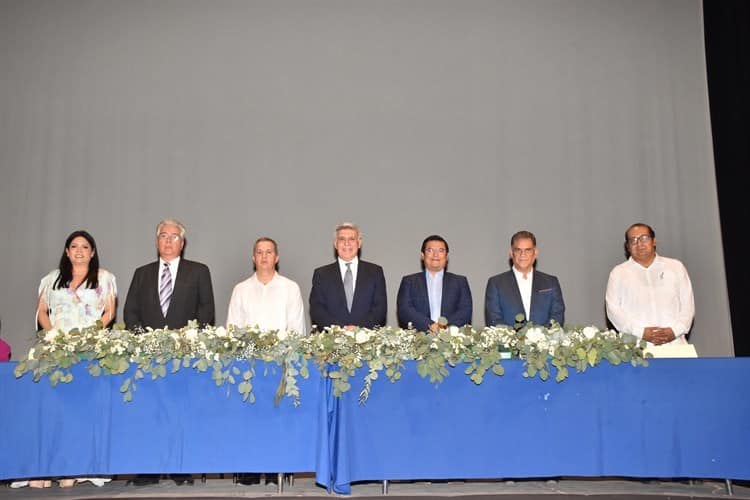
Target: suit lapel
{"type": "Point", "coordinates": [339, 285]}
{"type": "Point", "coordinates": [535, 286]}
{"type": "Point", "coordinates": [180, 284]}
{"type": "Point", "coordinates": [358, 285]}
{"type": "Point", "coordinates": [443, 294]}
{"type": "Point", "coordinates": [152, 278]}
{"type": "Point", "coordinates": [517, 294]}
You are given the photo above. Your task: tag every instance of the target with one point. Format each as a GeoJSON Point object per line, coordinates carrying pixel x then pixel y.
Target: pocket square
{"type": "Point", "coordinates": [546, 290]}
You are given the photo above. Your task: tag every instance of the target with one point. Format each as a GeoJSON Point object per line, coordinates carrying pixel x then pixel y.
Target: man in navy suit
{"type": "Point", "coordinates": [424, 297]}
{"type": "Point", "coordinates": [523, 290]}
{"type": "Point", "coordinates": [350, 292]}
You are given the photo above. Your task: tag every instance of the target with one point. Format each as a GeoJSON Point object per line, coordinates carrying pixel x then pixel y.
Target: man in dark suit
{"type": "Point", "coordinates": [171, 291]}
{"type": "Point", "coordinates": [350, 292]}
{"type": "Point", "coordinates": [523, 290]}
{"type": "Point", "coordinates": [425, 297]}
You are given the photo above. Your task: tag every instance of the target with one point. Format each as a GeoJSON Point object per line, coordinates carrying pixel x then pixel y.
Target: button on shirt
{"type": "Point", "coordinates": [524, 286]}
{"type": "Point", "coordinates": [354, 265]}
{"type": "Point", "coordinates": [277, 305]}
{"type": "Point", "coordinates": [435, 293]}
{"type": "Point", "coordinates": [659, 295]}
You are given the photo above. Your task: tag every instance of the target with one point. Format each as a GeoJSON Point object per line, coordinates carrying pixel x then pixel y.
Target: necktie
{"type": "Point", "coordinates": [349, 286]}
{"type": "Point", "coordinates": [165, 292]}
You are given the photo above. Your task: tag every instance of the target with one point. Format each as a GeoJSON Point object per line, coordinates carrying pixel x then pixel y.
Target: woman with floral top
{"type": "Point", "coordinates": [76, 295]}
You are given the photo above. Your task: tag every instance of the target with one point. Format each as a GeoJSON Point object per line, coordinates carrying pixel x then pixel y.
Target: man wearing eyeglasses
{"type": "Point", "coordinates": [423, 298]}
{"type": "Point", "coordinates": [171, 291]}
{"type": "Point", "coordinates": [649, 295]}
{"type": "Point", "coordinates": [523, 292]}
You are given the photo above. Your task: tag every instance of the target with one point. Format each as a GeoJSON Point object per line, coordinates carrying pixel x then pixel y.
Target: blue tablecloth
{"type": "Point", "coordinates": [180, 424]}
{"type": "Point", "coordinates": [676, 418]}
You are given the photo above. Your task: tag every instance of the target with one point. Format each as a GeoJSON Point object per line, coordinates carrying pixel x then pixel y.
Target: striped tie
{"type": "Point", "coordinates": [165, 292]}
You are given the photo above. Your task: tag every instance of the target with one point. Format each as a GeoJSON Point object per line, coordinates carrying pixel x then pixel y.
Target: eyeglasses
{"type": "Point", "coordinates": [430, 251]}
{"type": "Point", "coordinates": [169, 237]}
{"type": "Point", "coordinates": [644, 238]}
{"type": "Point", "coordinates": [523, 251]}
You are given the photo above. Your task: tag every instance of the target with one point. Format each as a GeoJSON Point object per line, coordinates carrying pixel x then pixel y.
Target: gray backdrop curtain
{"type": "Point", "coordinates": [471, 119]}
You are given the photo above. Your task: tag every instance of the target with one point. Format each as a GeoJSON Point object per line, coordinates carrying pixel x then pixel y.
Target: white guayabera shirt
{"type": "Point", "coordinates": [276, 305]}
{"type": "Point", "coordinates": [659, 295]}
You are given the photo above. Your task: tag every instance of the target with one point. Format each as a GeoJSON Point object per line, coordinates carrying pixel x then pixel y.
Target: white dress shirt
{"type": "Point", "coordinates": [524, 286]}
{"type": "Point", "coordinates": [658, 295]}
{"type": "Point", "coordinates": [277, 305]}
{"type": "Point", "coordinates": [353, 267]}
{"type": "Point", "coordinates": [435, 292]}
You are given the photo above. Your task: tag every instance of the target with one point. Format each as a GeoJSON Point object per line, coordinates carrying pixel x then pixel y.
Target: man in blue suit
{"type": "Point", "coordinates": [424, 297]}
{"type": "Point", "coordinates": [523, 290]}
{"type": "Point", "coordinates": [350, 292]}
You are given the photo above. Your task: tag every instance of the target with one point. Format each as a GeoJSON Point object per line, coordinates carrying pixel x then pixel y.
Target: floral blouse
{"type": "Point", "coordinates": [78, 308]}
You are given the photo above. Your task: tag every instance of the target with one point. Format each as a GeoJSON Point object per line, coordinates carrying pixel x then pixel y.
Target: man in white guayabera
{"type": "Point", "coordinates": [648, 295]}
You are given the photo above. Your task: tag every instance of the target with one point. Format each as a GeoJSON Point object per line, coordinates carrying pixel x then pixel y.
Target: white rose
{"type": "Point", "coordinates": [349, 333]}
{"type": "Point", "coordinates": [50, 335]}
{"type": "Point", "coordinates": [589, 332]}
{"type": "Point", "coordinates": [191, 334]}
{"type": "Point", "coordinates": [534, 335]}
{"type": "Point", "coordinates": [361, 337]}
{"type": "Point", "coordinates": [454, 331]}
{"type": "Point", "coordinates": [221, 332]}
{"type": "Point", "coordinates": [282, 335]}
{"type": "Point", "coordinates": [31, 353]}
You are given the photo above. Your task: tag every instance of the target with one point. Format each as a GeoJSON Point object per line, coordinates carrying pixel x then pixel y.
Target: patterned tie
{"type": "Point", "coordinates": [165, 292]}
{"type": "Point", "coordinates": [349, 286]}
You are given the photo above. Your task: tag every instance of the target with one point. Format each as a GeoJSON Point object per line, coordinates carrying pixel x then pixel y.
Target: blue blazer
{"type": "Point", "coordinates": [413, 302]}
{"type": "Point", "coordinates": [328, 299]}
{"type": "Point", "coordinates": [192, 297]}
{"type": "Point", "coordinates": [502, 300]}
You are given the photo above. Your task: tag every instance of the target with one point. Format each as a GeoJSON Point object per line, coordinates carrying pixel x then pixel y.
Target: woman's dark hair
{"type": "Point", "coordinates": [66, 267]}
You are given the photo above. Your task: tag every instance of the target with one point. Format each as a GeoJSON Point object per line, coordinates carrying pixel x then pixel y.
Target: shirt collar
{"type": "Point", "coordinates": [172, 264]}
{"type": "Point", "coordinates": [519, 274]}
{"type": "Point", "coordinates": [438, 274]}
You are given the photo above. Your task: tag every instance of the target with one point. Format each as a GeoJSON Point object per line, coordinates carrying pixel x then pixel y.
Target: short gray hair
{"type": "Point", "coordinates": [171, 222]}
{"type": "Point", "coordinates": [346, 225]}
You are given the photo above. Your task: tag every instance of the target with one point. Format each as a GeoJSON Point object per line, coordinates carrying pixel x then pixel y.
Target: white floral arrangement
{"type": "Point", "coordinates": [230, 354]}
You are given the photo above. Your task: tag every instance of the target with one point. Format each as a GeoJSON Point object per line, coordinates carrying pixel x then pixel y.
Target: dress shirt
{"type": "Point", "coordinates": [658, 295]}
{"type": "Point", "coordinates": [524, 286]}
{"type": "Point", "coordinates": [353, 267]}
{"type": "Point", "coordinates": [435, 292]}
{"type": "Point", "coordinates": [173, 264]}
{"type": "Point", "coordinates": [277, 305]}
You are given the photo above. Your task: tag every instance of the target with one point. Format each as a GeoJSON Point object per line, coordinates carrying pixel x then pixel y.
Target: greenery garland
{"type": "Point", "coordinates": [338, 354]}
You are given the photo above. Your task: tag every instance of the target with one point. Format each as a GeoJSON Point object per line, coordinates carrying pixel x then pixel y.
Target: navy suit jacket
{"type": "Point", "coordinates": [413, 302]}
{"type": "Point", "coordinates": [328, 300]}
{"type": "Point", "coordinates": [192, 297]}
{"type": "Point", "coordinates": [502, 300]}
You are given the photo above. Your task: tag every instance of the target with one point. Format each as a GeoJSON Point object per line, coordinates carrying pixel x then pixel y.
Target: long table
{"type": "Point", "coordinates": [676, 418]}
{"type": "Point", "coordinates": [183, 423]}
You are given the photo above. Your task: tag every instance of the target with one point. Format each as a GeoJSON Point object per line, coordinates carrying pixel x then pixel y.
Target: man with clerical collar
{"type": "Point", "coordinates": [349, 292]}
{"type": "Point", "coordinates": [423, 298]}
{"type": "Point", "coordinates": [523, 292]}
{"type": "Point", "coordinates": [648, 295]}
{"type": "Point", "coordinates": [267, 299]}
